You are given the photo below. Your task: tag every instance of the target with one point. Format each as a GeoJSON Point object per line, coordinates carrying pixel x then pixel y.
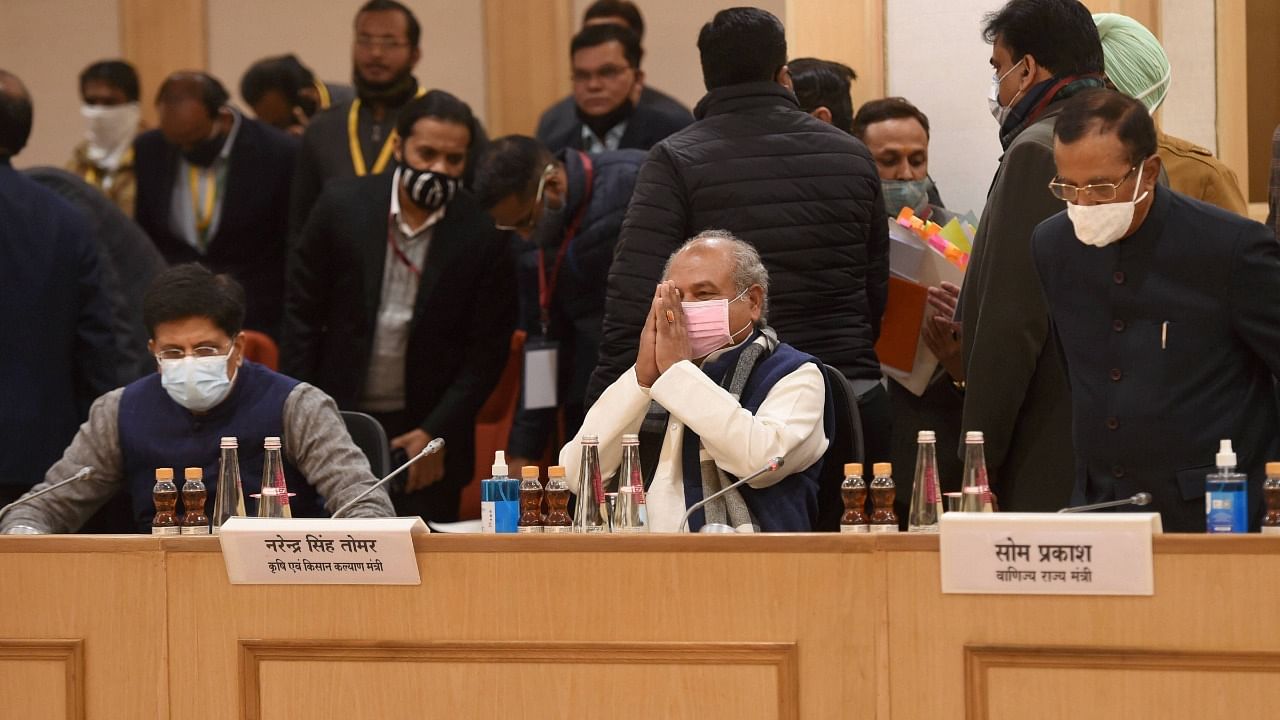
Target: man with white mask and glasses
{"type": "Point", "coordinates": [1166, 312]}
{"type": "Point", "coordinates": [109, 92]}
{"type": "Point", "coordinates": [1016, 394]}
{"type": "Point", "coordinates": [720, 396]}
{"type": "Point", "coordinates": [205, 390]}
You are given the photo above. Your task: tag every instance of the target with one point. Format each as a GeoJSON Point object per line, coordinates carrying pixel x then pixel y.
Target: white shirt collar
{"type": "Point", "coordinates": [231, 136]}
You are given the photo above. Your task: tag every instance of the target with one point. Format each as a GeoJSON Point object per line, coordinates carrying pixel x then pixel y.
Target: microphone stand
{"type": "Point", "coordinates": [432, 447]}
{"type": "Point", "coordinates": [774, 464]}
{"type": "Point", "coordinates": [81, 473]}
{"type": "Point", "coordinates": [1142, 498]}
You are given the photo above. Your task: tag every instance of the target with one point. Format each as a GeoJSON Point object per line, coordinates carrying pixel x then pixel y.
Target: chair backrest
{"type": "Point", "coordinates": [845, 446]}
{"type": "Point", "coordinates": [260, 348]}
{"type": "Point", "coordinates": [368, 435]}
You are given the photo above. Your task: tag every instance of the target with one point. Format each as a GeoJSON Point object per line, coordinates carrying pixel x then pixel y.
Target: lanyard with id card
{"type": "Point", "coordinates": [542, 354]}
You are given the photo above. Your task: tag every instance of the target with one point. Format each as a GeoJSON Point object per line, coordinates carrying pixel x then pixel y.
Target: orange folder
{"type": "Point", "coordinates": [900, 327]}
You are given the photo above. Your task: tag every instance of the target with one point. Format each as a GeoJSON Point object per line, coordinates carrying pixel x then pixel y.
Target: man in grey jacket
{"type": "Point", "coordinates": [205, 391]}
{"type": "Point", "coordinates": [1043, 52]}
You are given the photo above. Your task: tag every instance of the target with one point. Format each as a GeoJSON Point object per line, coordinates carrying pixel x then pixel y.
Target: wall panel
{"type": "Point", "coordinates": [47, 43]}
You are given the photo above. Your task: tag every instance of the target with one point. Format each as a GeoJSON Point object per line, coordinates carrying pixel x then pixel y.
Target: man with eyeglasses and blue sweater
{"type": "Point", "coordinates": [205, 390]}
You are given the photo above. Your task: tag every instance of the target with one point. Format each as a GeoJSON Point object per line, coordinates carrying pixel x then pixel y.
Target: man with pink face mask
{"type": "Point", "coordinates": [717, 396]}
{"type": "Point", "coordinates": [1167, 313]}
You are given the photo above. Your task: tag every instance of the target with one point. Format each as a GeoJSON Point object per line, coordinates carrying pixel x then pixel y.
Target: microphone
{"type": "Point", "coordinates": [432, 447]}
{"type": "Point", "coordinates": [774, 464]}
{"type": "Point", "coordinates": [82, 473]}
{"type": "Point", "coordinates": [1142, 498]}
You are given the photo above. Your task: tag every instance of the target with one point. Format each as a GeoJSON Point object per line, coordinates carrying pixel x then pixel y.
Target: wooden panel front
{"type": "Point", "coordinates": [527, 680]}
{"type": "Point", "coordinates": [41, 679]}
{"type": "Point", "coordinates": [1119, 684]}
{"type": "Point", "coordinates": [692, 626]}
{"type": "Point", "coordinates": [847, 31]}
{"type": "Point", "coordinates": [526, 60]}
{"type": "Point", "coordinates": [1215, 597]}
{"type": "Point", "coordinates": [161, 37]}
{"type": "Point", "coordinates": [82, 628]}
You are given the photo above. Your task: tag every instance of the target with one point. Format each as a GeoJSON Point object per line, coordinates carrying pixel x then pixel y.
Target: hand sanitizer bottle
{"type": "Point", "coordinates": [492, 493]}
{"type": "Point", "coordinates": [1226, 503]}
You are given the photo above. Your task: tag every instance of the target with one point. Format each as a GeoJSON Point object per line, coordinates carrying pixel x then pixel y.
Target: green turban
{"type": "Point", "coordinates": [1135, 61]}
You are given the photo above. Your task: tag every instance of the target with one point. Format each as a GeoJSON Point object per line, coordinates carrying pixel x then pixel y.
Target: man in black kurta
{"type": "Point", "coordinates": [356, 137]}
{"type": "Point", "coordinates": [1168, 319]}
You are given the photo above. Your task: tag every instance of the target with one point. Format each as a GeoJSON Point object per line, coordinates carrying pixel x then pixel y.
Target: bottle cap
{"type": "Point", "coordinates": [590, 440]}
{"type": "Point", "coordinates": [853, 468]}
{"type": "Point", "coordinates": [1273, 468]}
{"type": "Point", "coordinates": [529, 471]}
{"type": "Point", "coordinates": [193, 474]}
{"type": "Point", "coordinates": [883, 469]}
{"type": "Point", "coordinates": [630, 439]}
{"type": "Point", "coordinates": [499, 464]}
{"type": "Point", "coordinates": [926, 436]}
{"type": "Point", "coordinates": [555, 471]}
{"type": "Point", "coordinates": [1226, 456]}
{"type": "Point", "coordinates": [271, 443]}
{"type": "Point", "coordinates": [164, 474]}
{"type": "Point", "coordinates": [973, 437]}
{"type": "Point", "coordinates": [228, 442]}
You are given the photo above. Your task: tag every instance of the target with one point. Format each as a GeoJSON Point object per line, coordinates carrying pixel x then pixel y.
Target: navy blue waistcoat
{"type": "Point", "coordinates": [791, 504]}
{"type": "Point", "coordinates": [157, 432]}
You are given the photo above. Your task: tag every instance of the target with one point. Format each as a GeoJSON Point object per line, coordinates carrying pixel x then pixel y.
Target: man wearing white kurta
{"type": "Point", "coordinates": [733, 398]}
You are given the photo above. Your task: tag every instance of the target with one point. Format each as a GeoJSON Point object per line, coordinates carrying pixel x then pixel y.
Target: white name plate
{"type": "Point", "coordinates": [321, 551]}
{"type": "Point", "coordinates": [1047, 553]}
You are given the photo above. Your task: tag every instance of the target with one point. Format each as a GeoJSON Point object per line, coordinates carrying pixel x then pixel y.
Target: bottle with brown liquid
{"type": "Point", "coordinates": [165, 495]}
{"type": "Point", "coordinates": [194, 495]}
{"type": "Point", "coordinates": [854, 493]}
{"type": "Point", "coordinates": [530, 501]}
{"type": "Point", "coordinates": [557, 496]}
{"type": "Point", "coordinates": [883, 518]}
{"type": "Point", "coordinates": [1271, 500]}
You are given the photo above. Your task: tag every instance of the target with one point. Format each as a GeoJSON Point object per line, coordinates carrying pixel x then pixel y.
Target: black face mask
{"type": "Point", "coordinates": [391, 94]}
{"type": "Point", "coordinates": [206, 151]}
{"type": "Point", "coordinates": [307, 105]}
{"type": "Point", "coordinates": [602, 124]}
{"type": "Point", "coordinates": [428, 189]}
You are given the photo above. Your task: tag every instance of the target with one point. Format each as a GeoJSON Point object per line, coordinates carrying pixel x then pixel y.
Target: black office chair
{"type": "Point", "coordinates": [368, 435]}
{"type": "Point", "coordinates": [845, 446]}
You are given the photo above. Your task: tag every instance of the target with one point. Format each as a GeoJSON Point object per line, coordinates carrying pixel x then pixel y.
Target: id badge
{"type": "Point", "coordinates": [541, 360]}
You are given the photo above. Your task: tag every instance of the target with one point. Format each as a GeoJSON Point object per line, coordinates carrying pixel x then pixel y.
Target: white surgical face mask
{"type": "Point", "coordinates": [110, 128]}
{"type": "Point", "coordinates": [998, 111]}
{"type": "Point", "coordinates": [1101, 225]}
{"type": "Point", "coordinates": [196, 383]}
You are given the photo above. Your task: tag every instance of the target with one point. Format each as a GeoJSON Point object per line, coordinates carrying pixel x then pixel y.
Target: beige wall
{"type": "Point", "coordinates": [47, 43]}
{"type": "Point", "coordinates": [319, 33]}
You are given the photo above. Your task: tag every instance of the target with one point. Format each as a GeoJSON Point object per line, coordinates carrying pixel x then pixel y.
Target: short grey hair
{"type": "Point", "coordinates": [748, 270]}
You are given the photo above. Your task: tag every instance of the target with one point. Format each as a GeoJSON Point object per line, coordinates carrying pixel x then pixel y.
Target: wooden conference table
{"type": "Point", "coordinates": [798, 626]}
